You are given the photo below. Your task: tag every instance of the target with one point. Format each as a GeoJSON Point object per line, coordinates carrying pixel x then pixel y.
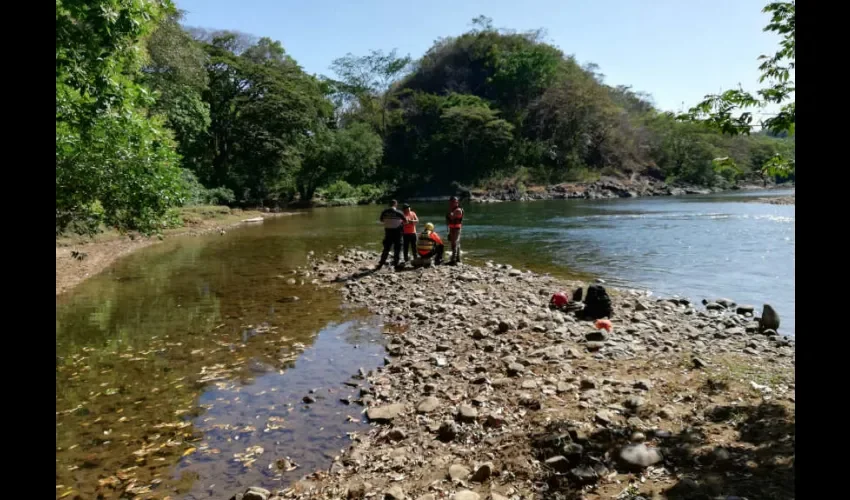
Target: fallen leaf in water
{"type": "Point", "coordinates": [189, 451]}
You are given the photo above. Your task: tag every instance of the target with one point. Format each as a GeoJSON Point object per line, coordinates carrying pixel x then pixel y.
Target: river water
{"type": "Point", "coordinates": [181, 369]}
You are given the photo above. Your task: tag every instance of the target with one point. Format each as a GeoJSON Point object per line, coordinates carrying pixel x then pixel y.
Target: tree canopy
{"type": "Point", "coordinates": [151, 115]}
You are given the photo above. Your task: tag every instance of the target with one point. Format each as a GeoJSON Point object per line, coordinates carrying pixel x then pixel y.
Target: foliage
{"type": "Point", "coordinates": [721, 111]}
{"type": "Point", "coordinates": [115, 163]}
{"type": "Point", "coordinates": [197, 194]}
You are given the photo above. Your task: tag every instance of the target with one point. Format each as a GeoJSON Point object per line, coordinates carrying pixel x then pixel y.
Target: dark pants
{"type": "Point", "coordinates": [454, 238]}
{"type": "Point", "coordinates": [409, 243]}
{"type": "Point", "coordinates": [392, 238]}
{"type": "Point", "coordinates": [436, 254]}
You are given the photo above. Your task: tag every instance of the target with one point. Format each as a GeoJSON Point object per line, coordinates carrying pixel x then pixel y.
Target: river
{"type": "Point", "coordinates": [181, 369]}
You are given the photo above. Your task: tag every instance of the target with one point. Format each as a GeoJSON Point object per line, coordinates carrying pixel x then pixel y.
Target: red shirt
{"type": "Point", "coordinates": [410, 227]}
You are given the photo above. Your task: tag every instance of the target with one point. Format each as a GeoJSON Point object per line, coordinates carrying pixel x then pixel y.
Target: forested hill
{"type": "Point", "coordinates": [152, 115]}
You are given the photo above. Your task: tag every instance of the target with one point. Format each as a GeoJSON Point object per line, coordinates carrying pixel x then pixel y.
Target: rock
{"type": "Point", "coordinates": [727, 303]}
{"type": "Point", "coordinates": [483, 473]}
{"type": "Point", "coordinates": [467, 414]}
{"type": "Point", "coordinates": [769, 318]}
{"type": "Point", "coordinates": [479, 333]}
{"type": "Point", "coordinates": [638, 437]}
{"type": "Point", "coordinates": [394, 493]}
{"type": "Point", "coordinates": [640, 455]}
{"type": "Point", "coordinates": [699, 363]}
{"type": "Point", "coordinates": [447, 431]}
{"type": "Point", "coordinates": [667, 412]}
{"type": "Point", "coordinates": [358, 491]}
{"type": "Point", "coordinates": [515, 369]}
{"type": "Point", "coordinates": [384, 414]}
{"type": "Point", "coordinates": [256, 493]}
{"type": "Point", "coordinates": [506, 326]}
{"type": "Point", "coordinates": [588, 383]}
{"type": "Point", "coordinates": [458, 472]}
{"type": "Point", "coordinates": [397, 435]}
{"type": "Point", "coordinates": [643, 385]}
{"type": "Point", "coordinates": [466, 495]}
{"type": "Point", "coordinates": [428, 405]}
{"type": "Point", "coordinates": [494, 420]}
{"type": "Point", "coordinates": [714, 306]}
{"type": "Point", "coordinates": [640, 306]}
{"type": "Point", "coordinates": [745, 309]}
{"type": "Point", "coordinates": [559, 463]}
{"type": "Point", "coordinates": [308, 399]}
{"type": "Point", "coordinates": [603, 417]}
{"type": "Point", "coordinates": [596, 336]}
{"type": "Point", "coordinates": [597, 304]}
{"type": "Point", "coordinates": [634, 402]}
{"type": "Point", "coordinates": [583, 475]}
{"type": "Point", "coordinates": [770, 332]}
{"type": "Point", "coordinates": [496, 496]}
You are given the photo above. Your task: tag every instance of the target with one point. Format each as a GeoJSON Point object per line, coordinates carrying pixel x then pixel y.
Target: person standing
{"type": "Point", "coordinates": [454, 219]}
{"type": "Point", "coordinates": [409, 232]}
{"type": "Point", "coordinates": [393, 219]}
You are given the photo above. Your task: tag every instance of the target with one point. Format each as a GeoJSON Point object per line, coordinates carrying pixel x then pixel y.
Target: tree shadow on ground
{"type": "Point", "coordinates": [756, 461]}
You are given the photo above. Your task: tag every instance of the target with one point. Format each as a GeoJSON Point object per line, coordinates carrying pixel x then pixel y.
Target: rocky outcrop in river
{"type": "Point", "coordinates": [487, 393]}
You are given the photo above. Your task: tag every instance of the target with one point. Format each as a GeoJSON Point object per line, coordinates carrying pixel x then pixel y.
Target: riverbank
{"type": "Point", "coordinates": [487, 393]}
{"type": "Point", "coordinates": [604, 188]}
{"type": "Point", "coordinates": [778, 200]}
{"type": "Point", "coordinates": [79, 257]}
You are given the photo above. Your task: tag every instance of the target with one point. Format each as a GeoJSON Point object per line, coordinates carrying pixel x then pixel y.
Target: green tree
{"type": "Point", "coordinates": [727, 111]}
{"type": "Point", "coordinates": [348, 154]}
{"type": "Point", "coordinates": [115, 163]}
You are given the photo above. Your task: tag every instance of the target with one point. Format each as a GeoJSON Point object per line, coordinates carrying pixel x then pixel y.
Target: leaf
{"type": "Point", "coordinates": [189, 451]}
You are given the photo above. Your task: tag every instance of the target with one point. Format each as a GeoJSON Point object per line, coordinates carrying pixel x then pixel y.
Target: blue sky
{"type": "Point", "coordinates": [677, 50]}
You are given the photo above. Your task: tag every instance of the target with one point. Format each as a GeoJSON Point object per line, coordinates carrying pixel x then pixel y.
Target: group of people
{"type": "Point", "coordinates": [400, 230]}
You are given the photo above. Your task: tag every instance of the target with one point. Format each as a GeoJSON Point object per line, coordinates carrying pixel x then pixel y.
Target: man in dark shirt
{"type": "Point", "coordinates": [393, 220]}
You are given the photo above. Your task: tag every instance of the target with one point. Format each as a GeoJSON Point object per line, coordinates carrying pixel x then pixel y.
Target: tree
{"type": "Point", "coordinates": [351, 153]}
{"type": "Point", "coordinates": [363, 79]}
{"type": "Point", "coordinates": [115, 163]}
{"type": "Point", "coordinates": [721, 111]}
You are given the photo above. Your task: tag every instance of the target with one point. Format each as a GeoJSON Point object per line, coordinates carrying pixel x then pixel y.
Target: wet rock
{"type": "Point", "coordinates": [745, 309]}
{"type": "Point", "coordinates": [714, 306]}
{"type": "Point", "coordinates": [384, 414]}
{"type": "Point", "coordinates": [308, 399]}
{"type": "Point", "coordinates": [483, 473]}
{"type": "Point", "coordinates": [428, 405]}
{"type": "Point", "coordinates": [769, 318]}
{"type": "Point", "coordinates": [458, 472]}
{"type": "Point", "coordinates": [467, 414]}
{"type": "Point", "coordinates": [640, 455]}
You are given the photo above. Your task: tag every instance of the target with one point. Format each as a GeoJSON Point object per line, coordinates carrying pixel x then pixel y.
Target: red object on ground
{"type": "Point", "coordinates": [604, 324]}
{"type": "Point", "coordinates": [559, 299]}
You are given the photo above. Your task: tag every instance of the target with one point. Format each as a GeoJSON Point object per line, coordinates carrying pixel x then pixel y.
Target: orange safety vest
{"type": "Point", "coordinates": [410, 227]}
{"type": "Point", "coordinates": [455, 222]}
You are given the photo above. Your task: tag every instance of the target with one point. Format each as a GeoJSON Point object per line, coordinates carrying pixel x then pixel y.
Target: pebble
{"type": "Point", "coordinates": [640, 455]}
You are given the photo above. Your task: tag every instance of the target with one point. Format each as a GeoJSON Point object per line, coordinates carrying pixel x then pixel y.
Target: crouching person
{"type": "Point", "coordinates": [428, 245]}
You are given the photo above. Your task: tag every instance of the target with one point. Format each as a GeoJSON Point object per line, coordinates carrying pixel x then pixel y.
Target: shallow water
{"type": "Point", "coordinates": [176, 365]}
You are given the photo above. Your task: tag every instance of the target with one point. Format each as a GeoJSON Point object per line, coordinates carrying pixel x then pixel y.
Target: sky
{"type": "Point", "coordinates": [676, 50]}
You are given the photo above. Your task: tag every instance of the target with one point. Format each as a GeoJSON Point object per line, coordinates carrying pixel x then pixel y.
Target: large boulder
{"type": "Point", "coordinates": [597, 303]}
{"type": "Point", "coordinates": [769, 318]}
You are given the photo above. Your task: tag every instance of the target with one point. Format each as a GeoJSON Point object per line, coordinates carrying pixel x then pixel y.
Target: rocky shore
{"type": "Point", "coordinates": [778, 200]}
{"type": "Point", "coordinates": [605, 188]}
{"type": "Point", "coordinates": [488, 393]}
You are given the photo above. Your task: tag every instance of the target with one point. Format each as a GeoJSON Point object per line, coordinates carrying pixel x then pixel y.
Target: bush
{"type": "Point", "coordinates": [199, 195]}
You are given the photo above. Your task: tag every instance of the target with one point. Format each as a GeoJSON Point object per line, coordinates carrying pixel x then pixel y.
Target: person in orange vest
{"type": "Point", "coordinates": [409, 231]}
{"type": "Point", "coordinates": [428, 245]}
{"type": "Point", "coordinates": [454, 219]}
